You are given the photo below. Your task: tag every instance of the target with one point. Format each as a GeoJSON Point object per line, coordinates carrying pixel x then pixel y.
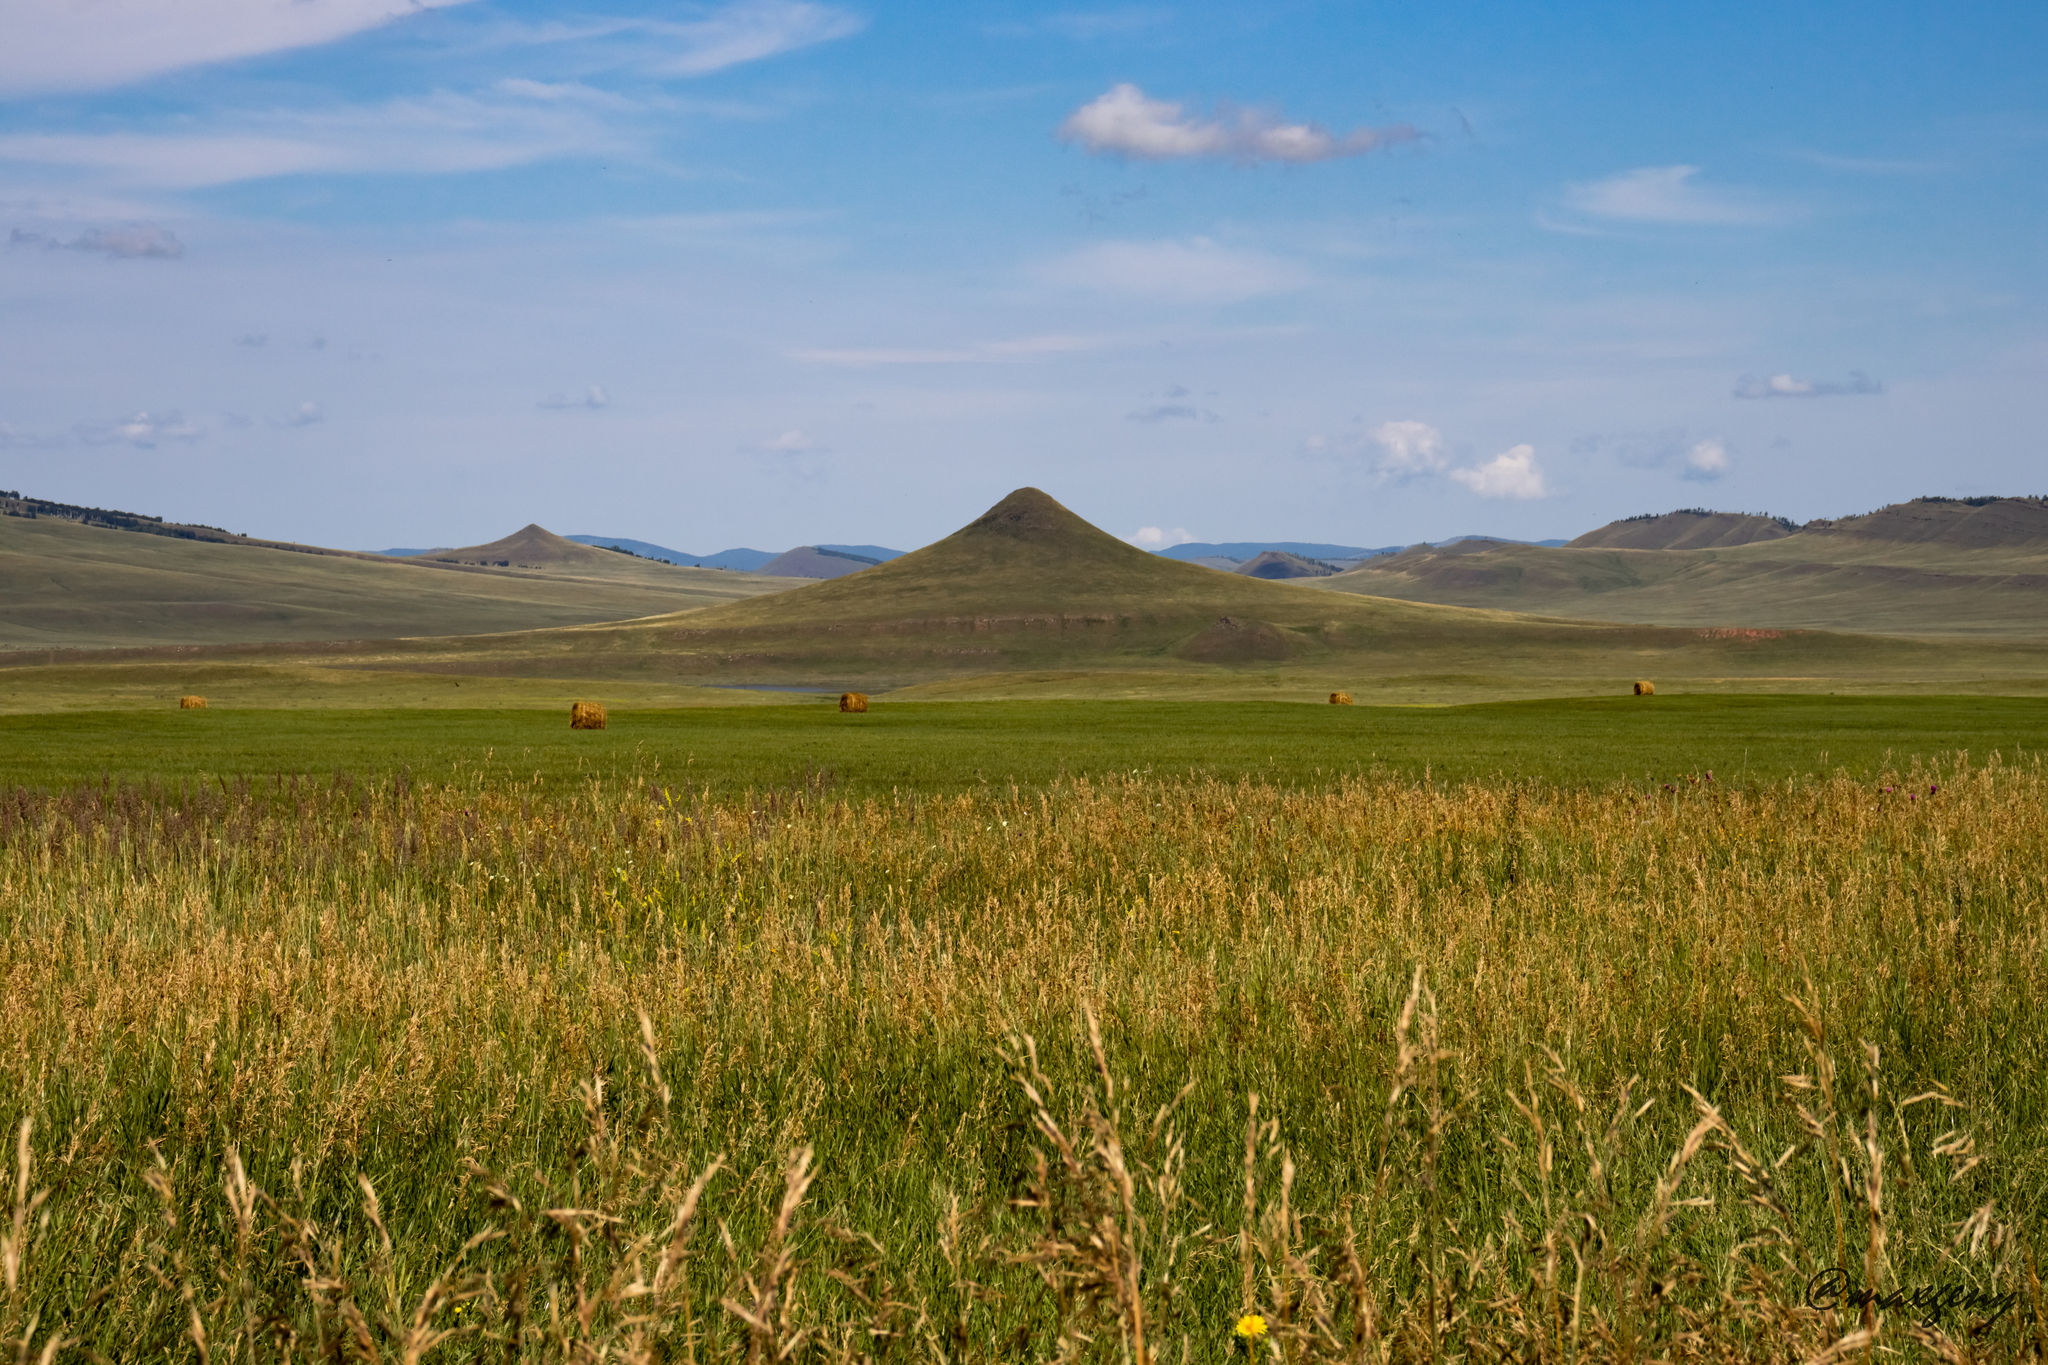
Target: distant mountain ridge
{"type": "Point", "coordinates": [1241, 550]}
{"type": "Point", "coordinates": [1221, 554]}
{"type": "Point", "coordinates": [814, 561]}
{"type": "Point", "coordinates": [744, 560]}
{"type": "Point", "coordinates": [1280, 564]}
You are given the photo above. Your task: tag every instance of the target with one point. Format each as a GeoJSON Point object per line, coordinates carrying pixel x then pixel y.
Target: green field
{"type": "Point", "coordinates": [321, 1067]}
{"type": "Point", "coordinates": [964, 746]}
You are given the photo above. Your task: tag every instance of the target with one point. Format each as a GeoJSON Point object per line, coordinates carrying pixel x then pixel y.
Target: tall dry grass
{"type": "Point", "coordinates": [1411, 1073]}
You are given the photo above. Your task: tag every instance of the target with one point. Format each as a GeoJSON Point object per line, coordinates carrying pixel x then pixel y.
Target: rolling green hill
{"type": "Point", "coordinates": [1932, 567]}
{"type": "Point", "coordinates": [69, 585]}
{"type": "Point", "coordinates": [1028, 600]}
{"type": "Point", "coordinates": [1691, 529]}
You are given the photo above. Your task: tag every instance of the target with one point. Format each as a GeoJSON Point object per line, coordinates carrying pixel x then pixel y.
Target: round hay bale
{"type": "Point", "coordinates": [1646, 689]}
{"type": "Point", "coordinates": [586, 715]}
{"type": "Point", "coordinates": [192, 703]}
{"type": "Point", "coordinates": [1340, 699]}
{"type": "Point", "coordinates": [853, 701]}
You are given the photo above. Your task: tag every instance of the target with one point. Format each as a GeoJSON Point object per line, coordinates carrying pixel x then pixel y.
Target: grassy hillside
{"type": "Point", "coordinates": [1689, 529]}
{"type": "Point", "coordinates": [67, 585]}
{"type": "Point", "coordinates": [1930, 567]}
{"type": "Point", "coordinates": [1029, 600]}
{"type": "Point", "coordinates": [1030, 586]}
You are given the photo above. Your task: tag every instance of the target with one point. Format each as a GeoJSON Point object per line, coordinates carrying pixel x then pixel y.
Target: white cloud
{"type": "Point", "coordinates": [1707, 460]}
{"type": "Point", "coordinates": [1511, 474]}
{"type": "Point", "coordinates": [69, 45]}
{"type": "Point", "coordinates": [1701, 458]}
{"type": "Point", "coordinates": [788, 443]}
{"type": "Point", "coordinates": [1125, 122]}
{"type": "Point", "coordinates": [1785, 386]}
{"type": "Point", "coordinates": [1157, 538]}
{"type": "Point", "coordinates": [508, 125]}
{"type": "Point", "coordinates": [1667, 194]}
{"type": "Point", "coordinates": [143, 429]}
{"type": "Point", "coordinates": [592, 399]}
{"type": "Point", "coordinates": [129, 240]}
{"type": "Point", "coordinates": [1396, 451]}
{"type": "Point", "coordinates": [1409, 449]}
{"type": "Point", "coordinates": [1195, 271]}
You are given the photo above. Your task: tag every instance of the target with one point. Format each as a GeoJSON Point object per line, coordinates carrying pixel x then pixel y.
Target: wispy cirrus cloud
{"type": "Point", "coordinates": [57, 45]}
{"type": "Point", "coordinates": [511, 124]}
{"type": "Point", "coordinates": [728, 36]}
{"type": "Point", "coordinates": [127, 241]}
{"type": "Point", "coordinates": [1672, 195]}
{"type": "Point", "coordinates": [1127, 122]}
{"type": "Point", "coordinates": [1858, 384]}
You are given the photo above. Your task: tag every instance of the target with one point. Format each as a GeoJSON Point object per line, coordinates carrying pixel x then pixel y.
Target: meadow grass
{"type": "Point", "coordinates": [959, 746]}
{"type": "Point", "coordinates": [1090, 1068]}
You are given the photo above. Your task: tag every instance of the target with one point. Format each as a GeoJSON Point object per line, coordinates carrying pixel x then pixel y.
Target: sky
{"type": "Point", "coordinates": [375, 273]}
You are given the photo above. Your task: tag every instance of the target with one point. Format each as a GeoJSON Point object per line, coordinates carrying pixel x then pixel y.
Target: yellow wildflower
{"type": "Point", "coordinates": [1251, 1330]}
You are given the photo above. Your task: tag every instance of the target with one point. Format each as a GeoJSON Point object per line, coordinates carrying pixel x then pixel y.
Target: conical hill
{"type": "Point", "coordinates": [1030, 584]}
{"type": "Point", "coordinates": [531, 546]}
{"type": "Point", "coordinates": [1026, 556]}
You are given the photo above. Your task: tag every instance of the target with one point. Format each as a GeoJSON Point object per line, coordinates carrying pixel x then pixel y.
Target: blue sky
{"type": "Point", "coordinates": [366, 273]}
